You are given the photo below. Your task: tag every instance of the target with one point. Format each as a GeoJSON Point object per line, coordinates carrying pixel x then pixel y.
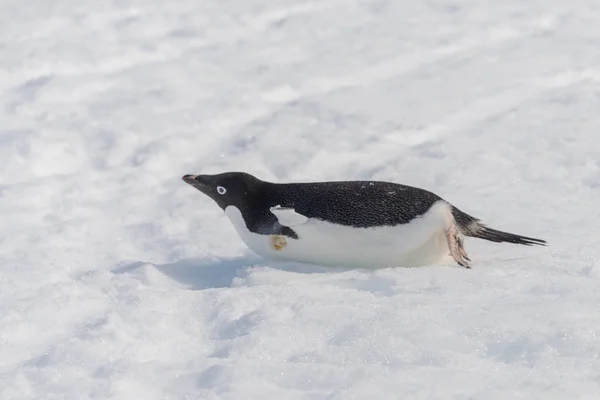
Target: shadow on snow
{"type": "Point", "coordinates": [201, 274]}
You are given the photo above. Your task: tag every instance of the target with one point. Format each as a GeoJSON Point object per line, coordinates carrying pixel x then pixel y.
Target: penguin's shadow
{"type": "Point", "coordinates": [199, 274]}
{"type": "Point", "coordinates": [202, 274]}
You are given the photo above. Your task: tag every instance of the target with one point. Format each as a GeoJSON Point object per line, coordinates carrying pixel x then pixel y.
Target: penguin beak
{"type": "Point", "coordinates": [200, 182]}
{"type": "Point", "coordinates": [190, 179]}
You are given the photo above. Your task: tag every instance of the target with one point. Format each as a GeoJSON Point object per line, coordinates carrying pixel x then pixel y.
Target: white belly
{"type": "Point", "coordinates": [419, 243]}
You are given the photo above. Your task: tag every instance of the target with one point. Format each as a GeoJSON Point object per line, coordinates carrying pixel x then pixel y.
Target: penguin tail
{"type": "Point", "coordinates": [473, 227]}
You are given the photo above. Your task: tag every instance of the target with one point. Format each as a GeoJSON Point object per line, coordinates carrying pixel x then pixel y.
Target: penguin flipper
{"type": "Point", "coordinates": [287, 216]}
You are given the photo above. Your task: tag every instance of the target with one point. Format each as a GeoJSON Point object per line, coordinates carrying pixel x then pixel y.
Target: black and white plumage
{"type": "Point", "coordinates": [346, 223]}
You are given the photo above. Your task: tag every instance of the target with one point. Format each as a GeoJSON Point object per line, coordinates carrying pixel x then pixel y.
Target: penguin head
{"type": "Point", "coordinates": [226, 189]}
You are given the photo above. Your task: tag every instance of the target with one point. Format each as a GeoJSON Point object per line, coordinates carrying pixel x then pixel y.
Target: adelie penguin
{"type": "Point", "coordinates": [346, 223]}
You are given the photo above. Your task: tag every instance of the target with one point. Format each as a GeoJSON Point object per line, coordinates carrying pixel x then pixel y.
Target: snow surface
{"type": "Point", "coordinates": [119, 281]}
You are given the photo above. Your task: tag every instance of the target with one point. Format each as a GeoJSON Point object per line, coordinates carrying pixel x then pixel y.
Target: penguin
{"type": "Point", "coordinates": [346, 223]}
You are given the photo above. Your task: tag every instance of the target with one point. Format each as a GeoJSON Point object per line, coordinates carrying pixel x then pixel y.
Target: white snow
{"type": "Point", "coordinates": [119, 281]}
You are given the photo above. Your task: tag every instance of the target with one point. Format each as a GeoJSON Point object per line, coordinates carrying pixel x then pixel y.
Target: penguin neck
{"type": "Point", "coordinates": [254, 214]}
{"type": "Point", "coordinates": [254, 207]}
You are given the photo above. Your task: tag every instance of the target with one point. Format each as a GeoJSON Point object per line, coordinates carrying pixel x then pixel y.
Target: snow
{"type": "Point", "coordinates": [119, 281]}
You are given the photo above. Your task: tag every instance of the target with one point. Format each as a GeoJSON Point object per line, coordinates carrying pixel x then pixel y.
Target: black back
{"type": "Point", "coordinates": [360, 204]}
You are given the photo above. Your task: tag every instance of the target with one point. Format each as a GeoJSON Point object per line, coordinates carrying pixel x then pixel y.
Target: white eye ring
{"type": "Point", "coordinates": [221, 190]}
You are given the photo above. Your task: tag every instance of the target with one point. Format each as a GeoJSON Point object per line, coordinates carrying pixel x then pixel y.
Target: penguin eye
{"type": "Point", "coordinates": [221, 190]}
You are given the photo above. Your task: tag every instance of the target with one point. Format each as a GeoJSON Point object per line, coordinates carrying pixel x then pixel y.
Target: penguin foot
{"type": "Point", "coordinates": [456, 247]}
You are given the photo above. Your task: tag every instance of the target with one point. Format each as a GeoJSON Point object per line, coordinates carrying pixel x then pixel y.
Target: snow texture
{"type": "Point", "coordinates": [119, 281]}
